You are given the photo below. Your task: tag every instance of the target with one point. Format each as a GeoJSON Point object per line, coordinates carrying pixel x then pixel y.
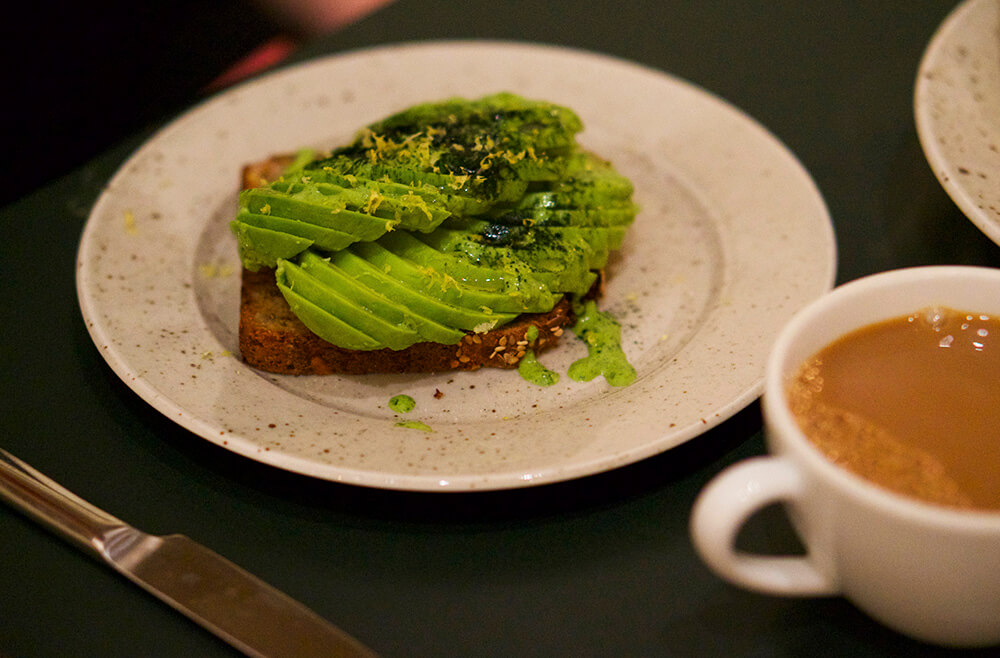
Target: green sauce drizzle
{"type": "Point", "coordinates": [602, 334]}
{"type": "Point", "coordinates": [531, 370]}
{"type": "Point", "coordinates": [414, 425]}
{"type": "Point", "coordinates": [402, 404]}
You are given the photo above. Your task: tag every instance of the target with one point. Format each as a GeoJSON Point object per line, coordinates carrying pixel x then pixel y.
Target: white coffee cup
{"type": "Point", "coordinates": [925, 570]}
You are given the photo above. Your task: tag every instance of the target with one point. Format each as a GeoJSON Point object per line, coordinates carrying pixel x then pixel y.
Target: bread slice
{"type": "Point", "coordinates": [273, 339]}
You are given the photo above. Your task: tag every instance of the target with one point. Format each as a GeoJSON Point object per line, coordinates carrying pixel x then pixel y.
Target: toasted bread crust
{"type": "Point", "coordinates": [273, 339]}
{"type": "Point", "coordinates": [257, 174]}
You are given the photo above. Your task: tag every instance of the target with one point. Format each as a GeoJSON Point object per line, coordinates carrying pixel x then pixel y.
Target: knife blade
{"type": "Point", "coordinates": [243, 610]}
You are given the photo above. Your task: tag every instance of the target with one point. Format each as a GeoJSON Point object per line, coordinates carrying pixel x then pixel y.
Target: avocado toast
{"type": "Point", "coordinates": [452, 235]}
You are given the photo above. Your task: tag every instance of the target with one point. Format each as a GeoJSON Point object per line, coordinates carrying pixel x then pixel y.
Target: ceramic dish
{"type": "Point", "coordinates": [957, 109]}
{"type": "Point", "coordinates": [733, 237]}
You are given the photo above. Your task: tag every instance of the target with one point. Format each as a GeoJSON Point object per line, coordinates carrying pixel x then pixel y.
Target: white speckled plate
{"type": "Point", "coordinates": [957, 109]}
{"type": "Point", "coordinates": [732, 239]}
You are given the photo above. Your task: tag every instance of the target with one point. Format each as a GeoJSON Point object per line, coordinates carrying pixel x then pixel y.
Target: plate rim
{"type": "Point", "coordinates": [946, 172]}
{"type": "Point", "coordinates": [420, 482]}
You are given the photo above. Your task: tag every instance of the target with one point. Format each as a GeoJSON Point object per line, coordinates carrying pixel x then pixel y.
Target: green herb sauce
{"type": "Point", "coordinates": [402, 404]}
{"type": "Point", "coordinates": [414, 425]}
{"type": "Point", "coordinates": [602, 334]}
{"type": "Point", "coordinates": [531, 370]}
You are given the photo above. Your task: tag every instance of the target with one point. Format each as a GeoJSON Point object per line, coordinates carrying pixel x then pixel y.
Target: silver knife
{"type": "Point", "coordinates": [234, 604]}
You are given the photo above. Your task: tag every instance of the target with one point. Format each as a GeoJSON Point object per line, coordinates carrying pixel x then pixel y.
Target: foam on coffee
{"type": "Point", "coordinates": [911, 404]}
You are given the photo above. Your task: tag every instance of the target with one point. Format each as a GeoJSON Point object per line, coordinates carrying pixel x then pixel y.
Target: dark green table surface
{"type": "Point", "coordinates": [602, 566]}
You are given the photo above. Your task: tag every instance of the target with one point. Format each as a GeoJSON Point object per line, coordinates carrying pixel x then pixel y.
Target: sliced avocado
{"type": "Point", "coordinates": [597, 238]}
{"type": "Point", "coordinates": [487, 149]}
{"type": "Point", "coordinates": [566, 252]}
{"type": "Point", "coordinates": [301, 209]}
{"type": "Point", "coordinates": [511, 289]}
{"type": "Point", "coordinates": [374, 299]}
{"type": "Point", "coordinates": [446, 198]}
{"type": "Point", "coordinates": [394, 335]}
{"type": "Point", "coordinates": [471, 192]}
{"type": "Point", "coordinates": [317, 172]}
{"type": "Point", "coordinates": [616, 214]}
{"type": "Point", "coordinates": [414, 209]}
{"type": "Point", "coordinates": [365, 272]}
{"type": "Point", "coordinates": [616, 236]}
{"type": "Point", "coordinates": [563, 266]}
{"type": "Point", "coordinates": [562, 195]}
{"type": "Point", "coordinates": [509, 121]}
{"type": "Point", "coordinates": [328, 327]}
{"type": "Point", "coordinates": [535, 244]}
{"type": "Point", "coordinates": [261, 247]}
{"type": "Point", "coordinates": [323, 238]}
{"type": "Point", "coordinates": [302, 158]}
{"type": "Point", "coordinates": [441, 285]}
{"type": "Point", "coordinates": [587, 175]}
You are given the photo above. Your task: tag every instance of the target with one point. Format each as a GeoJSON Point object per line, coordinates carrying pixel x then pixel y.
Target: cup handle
{"type": "Point", "coordinates": [727, 502]}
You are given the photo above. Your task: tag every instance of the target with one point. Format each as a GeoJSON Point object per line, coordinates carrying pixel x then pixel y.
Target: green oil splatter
{"type": "Point", "coordinates": [402, 404]}
{"type": "Point", "coordinates": [414, 425]}
{"type": "Point", "coordinates": [603, 335]}
{"type": "Point", "coordinates": [533, 371]}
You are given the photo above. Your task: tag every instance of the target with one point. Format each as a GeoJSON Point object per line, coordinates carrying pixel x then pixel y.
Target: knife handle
{"type": "Point", "coordinates": [48, 502]}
